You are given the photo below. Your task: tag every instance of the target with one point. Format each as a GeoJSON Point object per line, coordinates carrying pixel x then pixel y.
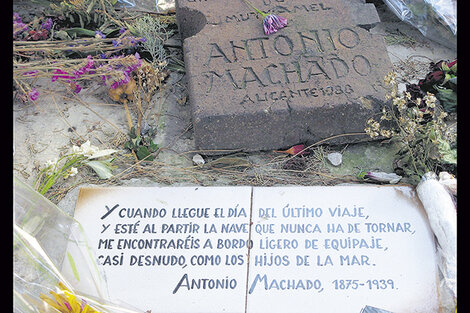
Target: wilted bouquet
{"type": "Point", "coordinates": [418, 126]}
{"type": "Point", "coordinates": [68, 165]}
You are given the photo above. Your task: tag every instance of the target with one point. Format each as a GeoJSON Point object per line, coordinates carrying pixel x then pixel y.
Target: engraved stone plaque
{"type": "Point", "coordinates": [256, 249]}
{"type": "Point", "coordinates": [320, 76]}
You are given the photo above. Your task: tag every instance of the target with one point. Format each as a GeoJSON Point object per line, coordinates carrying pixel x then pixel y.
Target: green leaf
{"type": "Point", "coordinates": [454, 68]}
{"type": "Point", "coordinates": [448, 155]}
{"type": "Point", "coordinates": [102, 168]}
{"type": "Point", "coordinates": [128, 145]}
{"type": "Point", "coordinates": [448, 99]}
{"type": "Point", "coordinates": [90, 7]}
{"type": "Point", "coordinates": [80, 32]}
{"type": "Point", "coordinates": [136, 141]}
{"type": "Point", "coordinates": [144, 153]}
{"type": "Point", "coordinates": [153, 146]}
{"type": "Point", "coordinates": [62, 35]}
{"type": "Point", "coordinates": [132, 133]}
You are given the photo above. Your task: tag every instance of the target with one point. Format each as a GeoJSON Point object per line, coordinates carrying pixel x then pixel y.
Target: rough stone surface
{"type": "Point", "coordinates": [320, 76]}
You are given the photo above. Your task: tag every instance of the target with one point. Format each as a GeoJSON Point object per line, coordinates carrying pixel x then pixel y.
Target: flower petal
{"type": "Point", "coordinates": [391, 178]}
{"type": "Point", "coordinates": [296, 150]}
{"type": "Point", "coordinates": [272, 23]}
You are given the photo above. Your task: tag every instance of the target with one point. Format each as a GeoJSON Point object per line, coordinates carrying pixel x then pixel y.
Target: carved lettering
{"type": "Point", "coordinates": [323, 68]}
{"type": "Point", "coordinates": [296, 70]}
{"type": "Point", "coordinates": [235, 57]}
{"type": "Point", "coordinates": [268, 74]}
{"type": "Point", "coordinates": [311, 72]}
{"type": "Point", "coordinates": [268, 2]}
{"type": "Point", "coordinates": [261, 47]}
{"type": "Point", "coordinates": [348, 37]}
{"type": "Point", "coordinates": [316, 41]}
{"type": "Point", "coordinates": [250, 72]}
{"type": "Point", "coordinates": [310, 43]}
{"type": "Point", "coordinates": [361, 65]}
{"type": "Point", "coordinates": [340, 67]}
{"type": "Point", "coordinates": [287, 43]}
{"type": "Point", "coordinates": [210, 75]}
{"type": "Point", "coordinates": [330, 39]}
{"type": "Point", "coordinates": [287, 93]}
{"type": "Point", "coordinates": [221, 54]}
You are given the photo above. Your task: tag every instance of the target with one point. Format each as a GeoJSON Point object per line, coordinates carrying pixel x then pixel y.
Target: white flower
{"type": "Point", "coordinates": [90, 151]}
{"type": "Point", "coordinates": [71, 172]}
{"type": "Point", "coordinates": [51, 162]}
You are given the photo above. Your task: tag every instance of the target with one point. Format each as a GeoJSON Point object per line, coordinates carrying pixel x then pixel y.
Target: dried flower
{"type": "Point", "coordinates": [77, 88]}
{"type": "Point", "coordinates": [99, 34]}
{"type": "Point", "coordinates": [430, 100]}
{"type": "Point", "coordinates": [18, 25]}
{"type": "Point", "coordinates": [390, 178]}
{"type": "Point", "coordinates": [33, 94]}
{"type": "Point", "coordinates": [296, 150]}
{"type": "Point", "coordinates": [417, 125]}
{"type": "Point", "coordinates": [47, 25]}
{"type": "Point", "coordinates": [271, 22]}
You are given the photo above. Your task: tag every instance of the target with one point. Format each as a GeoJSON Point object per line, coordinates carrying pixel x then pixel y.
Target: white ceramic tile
{"type": "Point", "coordinates": [399, 276]}
{"type": "Point", "coordinates": [168, 288]}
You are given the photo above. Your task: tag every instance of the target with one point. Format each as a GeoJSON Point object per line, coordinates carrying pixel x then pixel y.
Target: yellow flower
{"type": "Point", "coordinates": [64, 301]}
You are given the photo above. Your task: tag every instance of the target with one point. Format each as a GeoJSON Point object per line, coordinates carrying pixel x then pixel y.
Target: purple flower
{"type": "Point", "coordinates": [33, 94]}
{"type": "Point", "coordinates": [77, 88]}
{"type": "Point", "coordinates": [99, 34]}
{"type": "Point", "coordinates": [62, 75]}
{"type": "Point", "coordinates": [122, 30]}
{"type": "Point", "coordinates": [272, 23]}
{"type": "Point", "coordinates": [115, 43]}
{"type": "Point", "coordinates": [16, 17]}
{"type": "Point", "coordinates": [31, 73]}
{"type": "Point", "coordinates": [18, 25]}
{"type": "Point", "coordinates": [47, 25]}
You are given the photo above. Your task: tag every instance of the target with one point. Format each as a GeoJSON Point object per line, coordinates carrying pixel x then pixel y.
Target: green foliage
{"type": "Point", "coordinates": [156, 34]}
{"type": "Point", "coordinates": [55, 170]}
{"type": "Point", "coordinates": [88, 15]}
{"type": "Point", "coordinates": [446, 92]}
{"type": "Point", "coordinates": [142, 144]}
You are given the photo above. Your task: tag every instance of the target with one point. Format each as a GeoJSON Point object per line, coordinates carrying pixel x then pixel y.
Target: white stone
{"type": "Point", "coordinates": [335, 158]}
{"type": "Point", "coordinates": [398, 275]}
{"type": "Point", "coordinates": [198, 159]}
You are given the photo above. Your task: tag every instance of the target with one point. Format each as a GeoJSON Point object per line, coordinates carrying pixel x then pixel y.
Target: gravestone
{"type": "Point", "coordinates": [256, 249]}
{"type": "Point", "coordinates": [321, 76]}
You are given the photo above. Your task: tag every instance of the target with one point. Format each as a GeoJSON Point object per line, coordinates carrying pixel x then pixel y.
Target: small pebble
{"type": "Point", "coordinates": [198, 159]}
{"type": "Point", "coordinates": [335, 158]}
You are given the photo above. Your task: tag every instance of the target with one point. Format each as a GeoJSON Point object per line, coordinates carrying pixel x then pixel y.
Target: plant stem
{"type": "Point", "coordinates": [258, 11]}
